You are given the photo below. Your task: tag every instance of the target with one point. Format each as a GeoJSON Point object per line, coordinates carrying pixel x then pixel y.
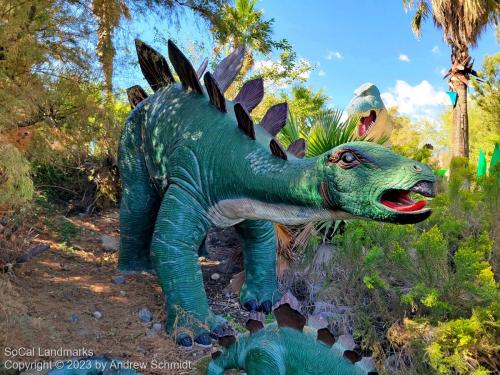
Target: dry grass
{"type": "Point", "coordinates": [38, 299]}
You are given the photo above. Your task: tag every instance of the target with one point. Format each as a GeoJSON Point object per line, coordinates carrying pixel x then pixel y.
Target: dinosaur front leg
{"type": "Point", "coordinates": [180, 228]}
{"type": "Point", "coordinates": [259, 251]}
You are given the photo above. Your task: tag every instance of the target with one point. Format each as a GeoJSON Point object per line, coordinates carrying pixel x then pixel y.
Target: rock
{"type": "Point", "coordinates": [97, 314]}
{"type": "Point", "coordinates": [122, 293]}
{"type": "Point", "coordinates": [157, 327]}
{"type": "Point", "coordinates": [118, 279]}
{"type": "Point", "coordinates": [145, 315]}
{"type": "Point", "coordinates": [74, 318]}
{"type": "Point", "coordinates": [215, 276]}
{"type": "Point", "coordinates": [109, 243]}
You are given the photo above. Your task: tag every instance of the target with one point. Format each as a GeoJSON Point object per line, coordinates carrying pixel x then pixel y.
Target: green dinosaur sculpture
{"type": "Point", "coordinates": [288, 348]}
{"type": "Point", "coordinates": [374, 122]}
{"type": "Point", "coordinates": [189, 161]}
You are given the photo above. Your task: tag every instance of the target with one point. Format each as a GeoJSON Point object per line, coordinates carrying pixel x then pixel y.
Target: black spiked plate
{"type": "Point", "coordinates": [183, 68]}
{"type": "Point", "coordinates": [153, 65]}
{"type": "Point", "coordinates": [202, 68]}
{"type": "Point", "coordinates": [275, 118]}
{"type": "Point", "coordinates": [136, 95]}
{"type": "Point", "coordinates": [245, 122]}
{"type": "Point", "coordinates": [251, 94]}
{"type": "Point", "coordinates": [277, 150]}
{"type": "Point", "coordinates": [298, 148]}
{"type": "Point", "coordinates": [214, 92]}
{"type": "Point", "coordinates": [229, 67]}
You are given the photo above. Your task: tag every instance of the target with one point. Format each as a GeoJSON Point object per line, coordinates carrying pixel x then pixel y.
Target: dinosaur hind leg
{"type": "Point", "coordinates": [181, 227]}
{"type": "Point", "coordinates": [139, 204]}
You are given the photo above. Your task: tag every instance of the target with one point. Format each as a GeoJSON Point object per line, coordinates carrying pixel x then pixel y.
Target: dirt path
{"type": "Point", "coordinates": [50, 302]}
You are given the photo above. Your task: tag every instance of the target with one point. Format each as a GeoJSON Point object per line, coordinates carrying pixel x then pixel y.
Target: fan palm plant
{"type": "Point", "coordinates": [323, 132]}
{"type": "Point", "coordinates": [462, 22]}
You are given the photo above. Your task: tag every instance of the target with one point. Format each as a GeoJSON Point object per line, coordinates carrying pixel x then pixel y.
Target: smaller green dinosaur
{"type": "Point", "coordinates": [288, 348]}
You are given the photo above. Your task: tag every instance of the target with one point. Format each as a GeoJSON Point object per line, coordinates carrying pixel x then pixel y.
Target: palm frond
{"type": "Point", "coordinates": [328, 130]}
{"type": "Point", "coordinates": [291, 131]}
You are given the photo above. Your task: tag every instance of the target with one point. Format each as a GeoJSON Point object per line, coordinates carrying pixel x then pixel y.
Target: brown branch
{"type": "Point", "coordinates": [27, 256]}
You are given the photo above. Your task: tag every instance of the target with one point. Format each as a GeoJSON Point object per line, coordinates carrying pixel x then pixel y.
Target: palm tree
{"type": "Point", "coordinates": [243, 24]}
{"type": "Point", "coordinates": [462, 22]}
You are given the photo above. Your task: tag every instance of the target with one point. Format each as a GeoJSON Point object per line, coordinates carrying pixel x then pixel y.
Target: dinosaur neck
{"type": "Point", "coordinates": [277, 190]}
{"type": "Point", "coordinates": [294, 182]}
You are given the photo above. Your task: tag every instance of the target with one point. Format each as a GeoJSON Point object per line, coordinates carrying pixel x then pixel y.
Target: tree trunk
{"type": "Point", "coordinates": [460, 126]}
{"type": "Point", "coordinates": [460, 131]}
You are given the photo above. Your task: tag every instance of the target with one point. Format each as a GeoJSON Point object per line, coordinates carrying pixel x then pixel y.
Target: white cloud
{"type": "Point", "coordinates": [321, 73]}
{"type": "Point", "coordinates": [330, 55]}
{"type": "Point", "coordinates": [443, 71]}
{"type": "Point", "coordinates": [403, 57]}
{"type": "Point", "coordinates": [419, 101]}
{"type": "Point", "coordinates": [435, 49]}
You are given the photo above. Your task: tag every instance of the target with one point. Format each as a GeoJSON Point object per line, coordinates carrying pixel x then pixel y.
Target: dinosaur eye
{"type": "Point", "coordinates": [348, 157]}
{"type": "Point", "coordinates": [345, 159]}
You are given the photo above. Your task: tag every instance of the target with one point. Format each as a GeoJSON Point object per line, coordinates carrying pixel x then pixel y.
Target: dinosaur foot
{"type": "Point", "coordinates": [135, 266]}
{"type": "Point", "coordinates": [203, 340]}
{"type": "Point", "coordinates": [252, 305]}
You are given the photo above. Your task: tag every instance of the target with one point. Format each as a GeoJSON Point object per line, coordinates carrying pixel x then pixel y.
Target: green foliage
{"type": "Point", "coordinates": [323, 131]}
{"type": "Point", "coordinates": [466, 346]}
{"type": "Point", "coordinates": [16, 186]}
{"type": "Point", "coordinates": [302, 102]}
{"type": "Point", "coordinates": [441, 273]}
{"type": "Point", "coordinates": [67, 231]}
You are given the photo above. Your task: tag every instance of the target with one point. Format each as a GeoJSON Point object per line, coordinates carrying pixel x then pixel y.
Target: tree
{"type": "Point", "coordinates": [462, 22]}
{"type": "Point", "coordinates": [109, 13]}
{"type": "Point", "coordinates": [303, 102]}
{"type": "Point", "coordinates": [243, 24]}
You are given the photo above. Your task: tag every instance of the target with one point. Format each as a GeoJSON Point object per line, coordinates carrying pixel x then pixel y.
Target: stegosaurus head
{"type": "Point", "coordinates": [370, 181]}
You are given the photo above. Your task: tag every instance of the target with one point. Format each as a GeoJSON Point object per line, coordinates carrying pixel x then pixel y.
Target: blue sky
{"type": "Point", "coordinates": [351, 42]}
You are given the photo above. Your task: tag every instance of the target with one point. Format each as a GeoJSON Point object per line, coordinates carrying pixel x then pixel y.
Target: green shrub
{"type": "Point", "coordinates": [16, 186]}
{"type": "Point", "coordinates": [437, 274]}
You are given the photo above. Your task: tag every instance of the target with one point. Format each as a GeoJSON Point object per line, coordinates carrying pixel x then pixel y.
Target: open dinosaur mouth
{"type": "Point", "coordinates": [366, 123]}
{"type": "Point", "coordinates": [399, 200]}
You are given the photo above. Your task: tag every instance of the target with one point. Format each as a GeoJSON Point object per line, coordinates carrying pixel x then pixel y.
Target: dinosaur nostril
{"type": "Point", "coordinates": [417, 168]}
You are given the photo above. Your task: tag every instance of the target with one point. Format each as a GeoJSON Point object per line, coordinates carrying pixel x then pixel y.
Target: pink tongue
{"type": "Point", "coordinates": [365, 124]}
{"type": "Point", "coordinates": [414, 207]}
{"type": "Point", "coordinates": [367, 120]}
{"type": "Point", "coordinates": [362, 129]}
